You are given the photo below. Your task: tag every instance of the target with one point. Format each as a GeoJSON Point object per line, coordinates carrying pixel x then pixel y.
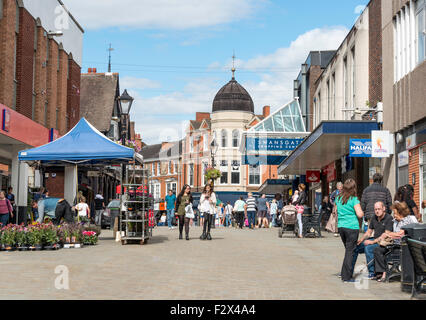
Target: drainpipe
{"type": "Point", "coordinates": [303, 95]}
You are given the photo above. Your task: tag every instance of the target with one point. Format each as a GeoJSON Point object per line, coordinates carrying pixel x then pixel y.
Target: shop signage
{"type": "Point", "coordinates": [403, 159]}
{"type": "Point", "coordinates": [360, 148]}
{"type": "Point", "coordinates": [6, 120]}
{"type": "Point", "coordinates": [381, 144]}
{"type": "Point", "coordinates": [313, 176]}
{"type": "Point", "coordinates": [330, 172]}
{"type": "Point", "coordinates": [269, 144]}
{"type": "Point", "coordinates": [410, 141]}
{"type": "Point", "coordinates": [93, 173]}
{"type": "Point", "coordinates": [53, 134]}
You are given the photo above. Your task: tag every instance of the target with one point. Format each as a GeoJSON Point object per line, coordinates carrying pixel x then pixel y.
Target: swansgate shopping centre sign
{"type": "Point", "coordinates": [272, 144]}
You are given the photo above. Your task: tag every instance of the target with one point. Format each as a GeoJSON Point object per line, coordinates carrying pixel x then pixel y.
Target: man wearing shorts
{"type": "Point", "coordinates": [263, 207]}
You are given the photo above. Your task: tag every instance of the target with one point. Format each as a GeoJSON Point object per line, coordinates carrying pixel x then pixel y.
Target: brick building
{"type": "Point", "coordinates": [404, 93]}
{"type": "Point", "coordinates": [40, 60]}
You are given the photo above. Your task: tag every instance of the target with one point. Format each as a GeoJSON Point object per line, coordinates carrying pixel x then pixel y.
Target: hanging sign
{"type": "Point", "coordinates": [360, 148]}
{"type": "Point", "coordinates": [410, 141]}
{"type": "Point", "coordinates": [381, 144]}
{"type": "Point", "coordinates": [330, 172]}
{"type": "Point", "coordinates": [6, 120]}
{"type": "Point", "coordinates": [403, 158]}
{"type": "Point", "coordinates": [313, 176]}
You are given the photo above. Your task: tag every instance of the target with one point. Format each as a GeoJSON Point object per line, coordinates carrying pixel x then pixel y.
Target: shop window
{"type": "Point", "coordinates": [402, 176]}
{"type": "Point", "coordinates": [224, 171]}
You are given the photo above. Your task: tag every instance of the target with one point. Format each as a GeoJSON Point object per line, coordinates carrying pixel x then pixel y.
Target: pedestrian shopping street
{"type": "Point", "coordinates": [241, 264]}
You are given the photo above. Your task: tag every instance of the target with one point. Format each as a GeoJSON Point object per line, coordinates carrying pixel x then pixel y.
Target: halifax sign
{"type": "Point", "coordinates": [360, 148]}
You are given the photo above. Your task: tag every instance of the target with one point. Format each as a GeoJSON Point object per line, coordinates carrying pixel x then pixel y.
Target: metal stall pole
{"type": "Point", "coordinates": [18, 193]}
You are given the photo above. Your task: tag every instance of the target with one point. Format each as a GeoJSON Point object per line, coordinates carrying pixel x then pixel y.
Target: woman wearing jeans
{"type": "Point", "coordinates": [348, 211]}
{"type": "Point", "coordinates": [207, 207]}
{"type": "Point", "coordinates": [5, 209]}
{"type": "Point", "coordinates": [184, 198]}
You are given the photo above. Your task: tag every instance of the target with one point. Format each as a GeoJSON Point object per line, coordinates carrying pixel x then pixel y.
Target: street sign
{"type": "Point", "coordinates": [313, 176]}
{"type": "Point", "coordinates": [272, 144]}
{"type": "Point", "coordinates": [381, 144]}
{"type": "Point", "coordinates": [360, 148]}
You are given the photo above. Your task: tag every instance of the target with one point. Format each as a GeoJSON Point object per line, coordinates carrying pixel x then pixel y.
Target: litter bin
{"type": "Point", "coordinates": [415, 231]}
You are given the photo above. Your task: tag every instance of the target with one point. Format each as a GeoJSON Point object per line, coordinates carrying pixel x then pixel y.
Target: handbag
{"type": "Point", "coordinates": [189, 212]}
{"type": "Point", "coordinates": [332, 221]}
{"type": "Point", "coordinates": [387, 241]}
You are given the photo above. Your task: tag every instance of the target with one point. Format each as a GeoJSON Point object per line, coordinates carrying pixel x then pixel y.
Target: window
{"type": "Point", "coordinates": [328, 100]}
{"type": "Point", "coordinates": [191, 144]}
{"type": "Point", "coordinates": [171, 186]}
{"type": "Point", "coordinates": [224, 138]}
{"type": "Point", "coordinates": [156, 190]}
{"type": "Point", "coordinates": [345, 84]}
{"type": "Point", "coordinates": [405, 24]}
{"type": "Point", "coordinates": [170, 169]}
{"type": "Point", "coordinates": [158, 168]}
{"type": "Point", "coordinates": [1, 9]}
{"type": "Point", "coordinates": [206, 141]}
{"type": "Point", "coordinates": [333, 93]}
{"type": "Point", "coordinates": [224, 171]}
{"type": "Point", "coordinates": [421, 30]}
{"type": "Point", "coordinates": [353, 79]}
{"type": "Point", "coordinates": [153, 169]}
{"type": "Point", "coordinates": [191, 175]}
{"type": "Point", "coordinates": [254, 174]}
{"type": "Point", "coordinates": [235, 138]}
{"type": "Point", "coordinates": [235, 172]}
{"type": "Point", "coordinates": [176, 168]}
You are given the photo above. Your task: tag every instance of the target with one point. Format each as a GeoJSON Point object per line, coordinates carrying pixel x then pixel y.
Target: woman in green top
{"type": "Point", "coordinates": [348, 212]}
{"type": "Point", "coordinates": [184, 198]}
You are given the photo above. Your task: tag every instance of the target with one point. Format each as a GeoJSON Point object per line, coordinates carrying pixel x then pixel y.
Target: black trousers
{"type": "Point", "coordinates": [349, 238]}
{"type": "Point", "coordinates": [380, 259]}
{"type": "Point", "coordinates": [183, 221]}
{"type": "Point", "coordinates": [207, 222]}
{"type": "Point", "coordinates": [240, 218]}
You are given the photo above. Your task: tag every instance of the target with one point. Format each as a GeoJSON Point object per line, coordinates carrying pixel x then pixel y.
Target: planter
{"type": "Point", "coordinates": [38, 247]}
{"type": "Point", "coordinates": [78, 245]}
{"type": "Point", "coordinates": [9, 248]}
{"type": "Point", "coordinates": [51, 247]}
{"type": "Point", "coordinates": [23, 248]}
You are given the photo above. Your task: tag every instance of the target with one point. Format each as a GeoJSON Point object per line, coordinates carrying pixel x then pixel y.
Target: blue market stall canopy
{"type": "Point", "coordinates": [83, 144]}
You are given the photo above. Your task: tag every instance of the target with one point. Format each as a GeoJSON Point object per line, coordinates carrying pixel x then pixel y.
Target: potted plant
{"type": "Point", "coordinates": [38, 238]}
{"type": "Point", "coordinates": [212, 174]}
{"type": "Point", "coordinates": [22, 238]}
{"type": "Point", "coordinates": [50, 237]}
{"type": "Point", "coordinates": [76, 234]}
{"type": "Point", "coordinates": [90, 238]}
{"type": "Point", "coordinates": [8, 238]}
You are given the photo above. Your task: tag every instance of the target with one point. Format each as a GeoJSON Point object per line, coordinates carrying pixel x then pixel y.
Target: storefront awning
{"type": "Point", "coordinates": [328, 142]}
{"type": "Point", "coordinates": [274, 186]}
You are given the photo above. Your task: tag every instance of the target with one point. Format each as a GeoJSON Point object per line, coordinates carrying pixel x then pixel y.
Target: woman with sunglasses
{"type": "Point", "coordinates": [184, 198]}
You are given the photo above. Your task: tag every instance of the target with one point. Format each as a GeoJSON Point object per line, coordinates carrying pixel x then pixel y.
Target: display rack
{"type": "Point", "coordinates": [135, 220]}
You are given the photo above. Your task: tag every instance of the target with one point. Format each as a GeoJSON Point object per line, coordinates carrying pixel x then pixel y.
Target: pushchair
{"type": "Point", "coordinates": [289, 221]}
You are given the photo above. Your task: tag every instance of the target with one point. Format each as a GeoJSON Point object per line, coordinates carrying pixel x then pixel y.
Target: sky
{"type": "Point", "coordinates": [173, 56]}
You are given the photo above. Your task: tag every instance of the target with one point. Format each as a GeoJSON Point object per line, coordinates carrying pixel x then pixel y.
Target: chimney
{"type": "Point", "coordinates": [92, 70]}
{"type": "Point", "coordinates": [266, 111]}
{"type": "Point", "coordinates": [200, 116]}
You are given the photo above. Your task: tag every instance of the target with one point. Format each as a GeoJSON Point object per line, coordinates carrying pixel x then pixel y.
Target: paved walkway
{"type": "Point", "coordinates": [236, 264]}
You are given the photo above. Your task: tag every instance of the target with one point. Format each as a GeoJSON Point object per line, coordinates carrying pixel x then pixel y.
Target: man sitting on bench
{"type": "Point", "coordinates": [379, 223]}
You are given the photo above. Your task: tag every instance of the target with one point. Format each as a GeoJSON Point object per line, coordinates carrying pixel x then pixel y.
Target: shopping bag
{"type": "Point", "coordinates": [246, 223]}
{"type": "Point", "coordinates": [332, 222]}
{"type": "Point", "coordinates": [189, 212]}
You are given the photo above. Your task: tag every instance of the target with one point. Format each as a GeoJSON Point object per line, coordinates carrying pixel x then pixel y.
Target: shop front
{"type": "Point", "coordinates": [325, 158]}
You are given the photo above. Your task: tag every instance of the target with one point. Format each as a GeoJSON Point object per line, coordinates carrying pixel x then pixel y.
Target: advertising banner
{"type": "Point", "coordinates": [272, 144]}
{"type": "Point", "coordinates": [381, 144]}
{"type": "Point", "coordinates": [360, 148]}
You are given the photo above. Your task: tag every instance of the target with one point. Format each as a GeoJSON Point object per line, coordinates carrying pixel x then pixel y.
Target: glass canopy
{"type": "Point", "coordinates": [286, 119]}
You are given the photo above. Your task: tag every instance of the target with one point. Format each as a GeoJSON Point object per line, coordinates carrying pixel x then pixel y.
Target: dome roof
{"type": "Point", "coordinates": [233, 97]}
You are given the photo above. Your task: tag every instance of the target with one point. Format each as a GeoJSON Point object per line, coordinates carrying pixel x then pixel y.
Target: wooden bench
{"type": "Point", "coordinates": [418, 253]}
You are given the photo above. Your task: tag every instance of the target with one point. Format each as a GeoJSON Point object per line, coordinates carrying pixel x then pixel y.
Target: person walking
{"type": "Point", "coordinates": [332, 221]}
{"type": "Point", "coordinates": [349, 211]}
{"type": "Point", "coordinates": [239, 207]}
{"type": "Point", "coordinates": [263, 207]}
{"type": "Point", "coordinates": [409, 200]}
{"type": "Point", "coordinates": [5, 209]}
{"type": "Point", "coordinates": [300, 206]}
{"type": "Point", "coordinates": [274, 210]}
{"type": "Point", "coordinates": [250, 208]}
{"type": "Point", "coordinates": [11, 197]}
{"type": "Point", "coordinates": [326, 209]}
{"type": "Point", "coordinates": [228, 214]}
{"type": "Point", "coordinates": [170, 207]}
{"type": "Point", "coordinates": [208, 206]}
{"type": "Point", "coordinates": [99, 208]}
{"type": "Point", "coordinates": [183, 199]}
{"type": "Point", "coordinates": [372, 194]}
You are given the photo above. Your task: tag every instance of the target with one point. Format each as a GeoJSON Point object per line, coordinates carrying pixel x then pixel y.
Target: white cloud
{"type": "Point", "coordinates": [162, 14]}
{"type": "Point", "coordinates": [360, 8]}
{"type": "Point", "coordinates": [138, 83]}
{"type": "Point", "coordinates": [156, 116]}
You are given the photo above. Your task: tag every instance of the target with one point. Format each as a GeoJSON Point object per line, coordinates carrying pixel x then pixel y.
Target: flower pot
{"type": "Point", "coordinates": [23, 248]}
{"type": "Point", "coordinates": [38, 247]}
{"type": "Point", "coordinates": [73, 240]}
{"type": "Point", "coordinates": [10, 248]}
{"type": "Point", "coordinates": [68, 240]}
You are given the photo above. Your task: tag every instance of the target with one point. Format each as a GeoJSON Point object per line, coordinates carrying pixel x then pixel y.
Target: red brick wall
{"type": "Point", "coordinates": [375, 52]}
{"type": "Point", "coordinates": [62, 91]}
{"type": "Point", "coordinates": [52, 82]}
{"type": "Point", "coordinates": [414, 168]}
{"type": "Point", "coordinates": [7, 47]}
{"type": "Point", "coordinates": [40, 85]}
{"type": "Point", "coordinates": [73, 97]}
{"type": "Point", "coordinates": [24, 64]}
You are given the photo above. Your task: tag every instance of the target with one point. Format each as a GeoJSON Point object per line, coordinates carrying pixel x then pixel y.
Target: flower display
{"type": "Point", "coordinates": [212, 173]}
{"type": "Point", "coordinates": [90, 237]}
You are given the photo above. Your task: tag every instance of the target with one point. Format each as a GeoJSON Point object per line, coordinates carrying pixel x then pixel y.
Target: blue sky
{"type": "Point", "coordinates": [173, 56]}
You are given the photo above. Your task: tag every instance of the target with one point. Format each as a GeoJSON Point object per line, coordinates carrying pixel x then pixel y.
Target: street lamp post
{"type": "Point", "coordinates": [213, 150]}
{"type": "Point", "coordinates": [125, 101]}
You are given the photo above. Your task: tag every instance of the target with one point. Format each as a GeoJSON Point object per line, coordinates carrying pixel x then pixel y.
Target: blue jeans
{"type": "Point", "coordinates": [227, 220]}
{"type": "Point", "coordinates": [170, 215]}
{"type": "Point", "coordinates": [369, 255]}
{"type": "Point", "coordinates": [274, 218]}
{"type": "Point", "coordinates": [4, 219]}
{"type": "Point", "coordinates": [251, 217]}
